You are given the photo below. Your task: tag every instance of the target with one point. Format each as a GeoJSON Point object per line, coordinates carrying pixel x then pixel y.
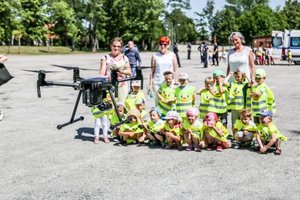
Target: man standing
{"type": "Point", "coordinates": [189, 50]}
{"type": "Point", "coordinates": [215, 57]}
{"type": "Point", "coordinates": [134, 57]}
{"type": "Point", "coordinates": [176, 50]}
{"type": "Point", "coordinates": [203, 53]}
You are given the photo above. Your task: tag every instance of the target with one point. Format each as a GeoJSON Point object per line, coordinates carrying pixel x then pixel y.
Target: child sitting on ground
{"type": "Point", "coordinates": [115, 120]}
{"type": "Point", "coordinates": [134, 94]}
{"type": "Point", "coordinates": [166, 94]}
{"type": "Point", "coordinates": [262, 97]}
{"type": "Point", "coordinates": [244, 129]}
{"type": "Point", "coordinates": [140, 106]}
{"type": "Point", "coordinates": [171, 131]}
{"type": "Point", "coordinates": [153, 126]}
{"type": "Point", "coordinates": [205, 97]}
{"type": "Point", "coordinates": [268, 134]}
{"type": "Point", "coordinates": [215, 132]}
{"type": "Point", "coordinates": [192, 130]}
{"type": "Point", "coordinates": [133, 130]}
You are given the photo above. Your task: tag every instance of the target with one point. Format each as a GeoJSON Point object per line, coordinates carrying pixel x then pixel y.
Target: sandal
{"type": "Point", "coordinates": [219, 148]}
{"type": "Point", "coordinates": [277, 152]}
{"type": "Point", "coordinates": [209, 147]}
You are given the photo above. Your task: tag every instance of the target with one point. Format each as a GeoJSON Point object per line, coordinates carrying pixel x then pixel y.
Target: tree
{"type": "Point", "coordinates": [291, 14]}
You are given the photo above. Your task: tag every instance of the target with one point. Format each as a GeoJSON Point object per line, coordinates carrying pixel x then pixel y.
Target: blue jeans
{"type": "Point", "coordinates": [133, 70]}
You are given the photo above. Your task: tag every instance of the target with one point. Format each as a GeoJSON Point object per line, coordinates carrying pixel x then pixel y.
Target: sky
{"type": "Point", "coordinates": [198, 5]}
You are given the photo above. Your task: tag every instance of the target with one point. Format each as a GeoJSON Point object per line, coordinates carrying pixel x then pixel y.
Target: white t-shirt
{"type": "Point", "coordinates": [164, 62]}
{"type": "Point", "coordinates": [240, 59]}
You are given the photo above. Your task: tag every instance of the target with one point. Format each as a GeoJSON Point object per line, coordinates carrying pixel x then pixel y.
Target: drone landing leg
{"type": "Point", "coordinates": [72, 120]}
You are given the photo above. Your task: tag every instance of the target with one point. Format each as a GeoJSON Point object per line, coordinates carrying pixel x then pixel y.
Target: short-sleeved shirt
{"type": "Point", "coordinates": [265, 132]}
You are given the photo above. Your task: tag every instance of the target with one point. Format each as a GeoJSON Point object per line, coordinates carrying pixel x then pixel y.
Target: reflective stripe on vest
{"type": "Point", "coordinates": [167, 93]}
{"type": "Point", "coordinates": [218, 104]}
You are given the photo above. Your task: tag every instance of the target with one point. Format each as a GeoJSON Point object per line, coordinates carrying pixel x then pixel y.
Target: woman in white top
{"type": "Point", "coordinates": [162, 61]}
{"type": "Point", "coordinates": [241, 57]}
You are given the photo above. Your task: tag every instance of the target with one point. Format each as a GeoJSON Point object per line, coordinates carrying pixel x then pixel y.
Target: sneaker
{"type": "Point", "coordinates": [1, 115]}
{"type": "Point", "coordinates": [236, 146]}
{"type": "Point", "coordinates": [197, 149]}
{"type": "Point", "coordinates": [209, 147]}
{"type": "Point", "coordinates": [189, 148]}
{"type": "Point", "coordinates": [219, 148]}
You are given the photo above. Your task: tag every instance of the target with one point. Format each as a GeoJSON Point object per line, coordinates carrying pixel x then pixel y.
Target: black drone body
{"type": "Point", "coordinates": [92, 90]}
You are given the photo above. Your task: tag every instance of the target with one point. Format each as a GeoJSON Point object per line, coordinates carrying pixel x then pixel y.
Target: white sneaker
{"type": "Point", "coordinates": [1, 115]}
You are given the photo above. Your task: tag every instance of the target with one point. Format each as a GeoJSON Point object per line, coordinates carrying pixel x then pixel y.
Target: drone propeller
{"type": "Point", "coordinates": [72, 68]}
{"type": "Point", "coordinates": [38, 71]}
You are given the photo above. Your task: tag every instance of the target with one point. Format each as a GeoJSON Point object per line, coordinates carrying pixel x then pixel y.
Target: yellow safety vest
{"type": "Point", "coordinates": [214, 134]}
{"type": "Point", "coordinates": [205, 97]}
{"type": "Point", "coordinates": [218, 103]}
{"type": "Point", "coordinates": [265, 101]}
{"type": "Point", "coordinates": [168, 93]}
{"type": "Point", "coordinates": [196, 128]}
{"type": "Point", "coordinates": [131, 97]}
{"type": "Point", "coordinates": [236, 98]}
{"type": "Point", "coordinates": [176, 130]}
{"type": "Point", "coordinates": [156, 127]}
{"type": "Point", "coordinates": [265, 132]}
{"type": "Point", "coordinates": [184, 99]}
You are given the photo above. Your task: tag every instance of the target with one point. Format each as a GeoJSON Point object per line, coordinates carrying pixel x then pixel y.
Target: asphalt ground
{"type": "Point", "coordinates": [40, 162]}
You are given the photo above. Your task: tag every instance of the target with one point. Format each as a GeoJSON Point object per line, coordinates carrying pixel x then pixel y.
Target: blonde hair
{"type": "Point", "coordinates": [246, 113]}
{"type": "Point", "coordinates": [118, 39]}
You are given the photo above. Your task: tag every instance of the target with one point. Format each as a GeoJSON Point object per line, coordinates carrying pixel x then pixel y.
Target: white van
{"type": "Point", "coordinates": [284, 41]}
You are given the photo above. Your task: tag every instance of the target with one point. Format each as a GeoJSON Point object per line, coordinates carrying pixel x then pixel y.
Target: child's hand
{"type": "Point", "coordinates": [263, 149]}
{"type": "Point", "coordinates": [231, 74]}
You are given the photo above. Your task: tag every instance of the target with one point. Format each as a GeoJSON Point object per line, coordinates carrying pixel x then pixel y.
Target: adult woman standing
{"type": "Point", "coordinates": [240, 57]}
{"type": "Point", "coordinates": [162, 61]}
{"type": "Point", "coordinates": [116, 60]}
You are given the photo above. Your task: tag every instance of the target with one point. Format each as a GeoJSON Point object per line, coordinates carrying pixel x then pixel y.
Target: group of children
{"type": "Point", "coordinates": [175, 121]}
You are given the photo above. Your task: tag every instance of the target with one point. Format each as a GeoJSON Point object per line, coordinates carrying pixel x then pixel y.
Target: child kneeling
{"type": "Point", "coordinates": [215, 132]}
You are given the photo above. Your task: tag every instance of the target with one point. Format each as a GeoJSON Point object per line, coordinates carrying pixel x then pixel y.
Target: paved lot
{"type": "Point", "coordinates": [40, 162]}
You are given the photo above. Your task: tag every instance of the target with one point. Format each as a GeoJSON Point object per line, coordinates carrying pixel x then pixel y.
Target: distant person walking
{"type": "Point", "coordinates": [3, 58]}
{"type": "Point", "coordinates": [134, 57]}
{"type": "Point", "coordinates": [203, 53]}
{"type": "Point", "coordinates": [189, 50]}
{"type": "Point", "coordinates": [176, 50]}
{"type": "Point", "coordinates": [215, 57]}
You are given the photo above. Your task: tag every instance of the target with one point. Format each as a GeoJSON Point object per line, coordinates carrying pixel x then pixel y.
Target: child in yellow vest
{"type": "Point", "coordinates": [154, 125]}
{"type": "Point", "coordinates": [114, 119]}
{"type": "Point", "coordinates": [140, 106]}
{"type": "Point", "coordinates": [289, 57]}
{"type": "Point", "coordinates": [192, 130]}
{"type": "Point", "coordinates": [218, 103]}
{"type": "Point", "coordinates": [166, 94]}
{"type": "Point", "coordinates": [133, 130]}
{"type": "Point", "coordinates": [215, 133]}
{"type": "Point", "coordinates": [268, 134]}
{"type": "Point", "coordinates": [205, 96]}
{"type": "Point", "coordinates": [244, 128]}
{"type": "Point", "coordinates": [101, 119]}
{"type": "Point", "coordinates": [185, 95]}
{"type": "Point", "coordinates": [262, 97]}
{"type": "Point", "coordinates": [134, 94]}
{"type": "Point", "coordinates": [171, 132]}
{"type": "Point", "coordinates": [238, 94]}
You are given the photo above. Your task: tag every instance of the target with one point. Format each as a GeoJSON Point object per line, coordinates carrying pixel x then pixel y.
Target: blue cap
{"type": "Point", "coordinates": [156, 109]}
{"type": "Point", "coordinates": [266, 113]}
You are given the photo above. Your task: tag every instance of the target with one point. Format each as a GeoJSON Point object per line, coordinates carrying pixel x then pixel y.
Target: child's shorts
{"type": "Point", "coordinates": [245, 138]}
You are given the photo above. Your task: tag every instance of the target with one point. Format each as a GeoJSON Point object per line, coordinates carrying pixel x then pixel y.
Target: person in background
{"type": "Point", "coordinates": [203, 49]}
{"type": "Point", "coordinates": [176, 50]}
{"type": "Point", "coordinates": [215, 57]}
{"type": "Point", "coordinates": [189, 50]}
{"type": "Point", "coordinates": [134, 57]}
{"type": "Point", "coordinates": [3, 58]}
{"type": "Point", "coordinates": [289, 57]}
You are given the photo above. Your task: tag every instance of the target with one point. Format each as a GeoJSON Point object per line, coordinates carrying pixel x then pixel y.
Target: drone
{"type": "Point", "coordinates": [92, 90]}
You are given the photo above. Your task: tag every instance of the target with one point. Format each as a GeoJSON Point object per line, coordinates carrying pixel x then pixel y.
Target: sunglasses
{"type": "Point", "coordinates": [258, 78]}
{"type": "Point", "coordinates": [163, 44]}
{"type": "Point", "coordinates": [116, 46]}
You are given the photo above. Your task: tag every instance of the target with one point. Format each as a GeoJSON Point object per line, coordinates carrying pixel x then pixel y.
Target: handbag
{"type": "Point", "coordinates": [5, 76]}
